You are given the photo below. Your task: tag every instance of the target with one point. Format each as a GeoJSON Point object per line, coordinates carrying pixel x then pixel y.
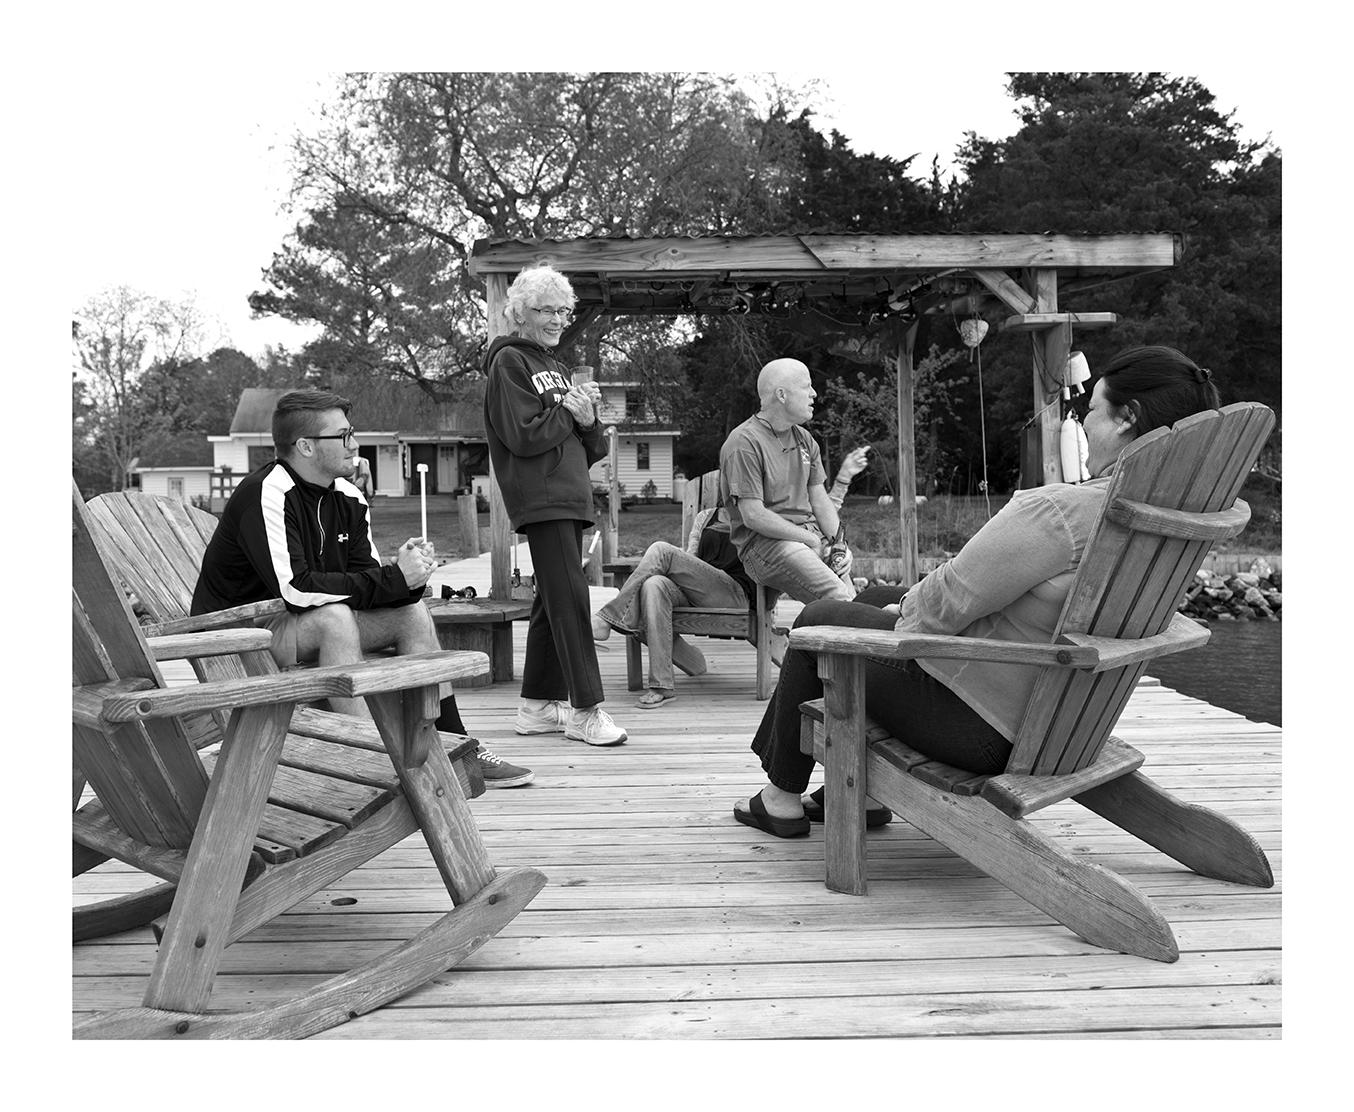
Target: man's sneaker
{"type": "Point", "coordinates": [594, 726]}
{"type": "Point", "coordinates": [498, 773]}
{"type": "Point", "coordinates": [600, 630]}
{"type": "Point", "coordinates": [550, 718]}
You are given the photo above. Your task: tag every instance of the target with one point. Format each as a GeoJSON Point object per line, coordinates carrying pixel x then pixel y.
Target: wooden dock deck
{"type": "Point", "coordinates": [665, 919]}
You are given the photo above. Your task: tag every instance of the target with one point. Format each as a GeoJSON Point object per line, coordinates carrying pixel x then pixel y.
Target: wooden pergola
{"type": "Point", "coordinates": [886, 283]}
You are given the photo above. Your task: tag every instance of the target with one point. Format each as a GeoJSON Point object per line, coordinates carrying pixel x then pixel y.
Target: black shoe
{"type": "Point", "coordinates": [874, 816]}
{"type": "Point", "coordinates": [498, 773]}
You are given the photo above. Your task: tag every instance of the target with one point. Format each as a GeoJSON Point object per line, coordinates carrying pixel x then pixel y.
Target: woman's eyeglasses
{"type": "Point", "coordinates": [564, 315]}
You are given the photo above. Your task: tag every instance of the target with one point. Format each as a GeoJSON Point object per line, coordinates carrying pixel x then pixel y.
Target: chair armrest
{"type": "Point", "coordinates": [217, 619]}
{"type": "Point", "coordinates": [345, 681]}
{"type": "Point", "coordinates": [1114, 652]}
{"type": "Point", "coordinates": [1074, 650]}
{"type": "Point", "coordinates": [847, 641]}
{"type": "Point", "coordinates": [216, 642]}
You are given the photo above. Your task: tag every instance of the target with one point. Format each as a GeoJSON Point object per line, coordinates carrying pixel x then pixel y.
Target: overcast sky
{"type": "Point", "coordinates": [192, 177]}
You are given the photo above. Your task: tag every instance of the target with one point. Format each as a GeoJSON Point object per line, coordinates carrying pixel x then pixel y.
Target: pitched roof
{"type": "Point", "coordinates": [254, 413]}
{"type": "Point", "coordinates": [400, 407]}
{"type": "Point", "coordinates": [183, 452]}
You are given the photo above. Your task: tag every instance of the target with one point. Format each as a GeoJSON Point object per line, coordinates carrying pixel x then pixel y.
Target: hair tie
{"type": "Point", "coordinates": [1202, 375]}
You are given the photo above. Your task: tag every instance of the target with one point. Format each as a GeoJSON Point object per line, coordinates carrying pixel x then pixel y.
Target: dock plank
{"type": "Point", "coordinates": [662, 918]}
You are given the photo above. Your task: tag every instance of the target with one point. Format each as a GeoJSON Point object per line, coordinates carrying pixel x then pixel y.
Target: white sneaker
{"type": "Point", "coordinates": [549, 718]}
{"type": "Point", "coordinates": [600, 630]}
{"type": "Point", "coordinates": [594, 726]}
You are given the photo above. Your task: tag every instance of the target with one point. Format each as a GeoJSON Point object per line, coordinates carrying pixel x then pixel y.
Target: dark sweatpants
{"type": "Point", "coordinates": [914, 707]}
{"type": "Point", "coordinates": [561, 661]}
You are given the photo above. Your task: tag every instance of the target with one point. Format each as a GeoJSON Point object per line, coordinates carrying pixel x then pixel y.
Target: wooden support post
{"type": "Point", "coordinates": [500, 538]}
{"type": "Point", "coordinates": [844, 784]}
{"type": "Point", "coordinates": [470, 524]}
{"type": "Point", "coordinates": [613, 502]}
{"type": "Point", "coordinates": [907, 458]}
{"type": "Point", "coordinates": [1050, 350]}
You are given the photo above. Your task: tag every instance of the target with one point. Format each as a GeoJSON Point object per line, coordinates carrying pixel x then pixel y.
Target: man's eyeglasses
{"type": "Point", "coordinates": [346, 435]}
{"type": "Point", "coordinates": [564, 315]}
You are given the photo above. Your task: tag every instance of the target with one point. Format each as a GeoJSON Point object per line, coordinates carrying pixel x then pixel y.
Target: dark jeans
{"type": "Point", "coordinates": [561, 660]}
{"type": "Point", "coordinates": [917, 709]}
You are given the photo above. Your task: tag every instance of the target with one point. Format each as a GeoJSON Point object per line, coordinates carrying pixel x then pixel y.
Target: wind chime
{"type": "Point", "coordinates": [972, 331]}
{"type": "Point", "coordinates": [1071, 436]}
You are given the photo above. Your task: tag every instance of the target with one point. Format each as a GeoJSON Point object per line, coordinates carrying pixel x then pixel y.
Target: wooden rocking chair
{"type": "Point", "coordinates": [1173, 494]}
{"type": "Point", "coordinates": [234, 853]}
{"type": "Point", "coordinates": [155, 546]}
{"type": "Point", "coordinates": [753, 625]}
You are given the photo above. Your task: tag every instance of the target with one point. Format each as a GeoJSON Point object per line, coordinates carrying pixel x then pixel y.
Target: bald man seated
{"type": "Point", "coordinates": [771, 481]}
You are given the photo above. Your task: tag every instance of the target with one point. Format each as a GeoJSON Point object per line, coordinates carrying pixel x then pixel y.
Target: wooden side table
{"type": "Point", "coordinates": [482, 624]}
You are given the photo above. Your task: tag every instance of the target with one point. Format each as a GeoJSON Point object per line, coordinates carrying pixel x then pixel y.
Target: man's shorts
{"type": "Point", "coordinates": [283, 628]}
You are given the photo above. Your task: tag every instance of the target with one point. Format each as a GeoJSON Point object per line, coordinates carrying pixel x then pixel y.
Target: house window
{"type": "Point", "coordinates": [176, 488]}
{"type": "Point", "coordinates": [634, 406]}
{"type": "Point", "coordinates": [642, 455]}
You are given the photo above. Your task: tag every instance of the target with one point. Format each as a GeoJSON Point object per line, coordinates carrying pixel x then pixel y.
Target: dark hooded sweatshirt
{"type": "Point", "coordinates": [540, 455]}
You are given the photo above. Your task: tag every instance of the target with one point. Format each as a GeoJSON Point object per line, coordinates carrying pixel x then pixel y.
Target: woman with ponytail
{"type": "Point", "coordinates": [1008, 583]}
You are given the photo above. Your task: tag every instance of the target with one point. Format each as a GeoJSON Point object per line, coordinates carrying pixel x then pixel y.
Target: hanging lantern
{"type": "Point", "coordinates": [972, 331]}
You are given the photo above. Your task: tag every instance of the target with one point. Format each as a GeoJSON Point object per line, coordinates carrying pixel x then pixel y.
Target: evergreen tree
{"type": "Point", "coordinates": [1138, 152]}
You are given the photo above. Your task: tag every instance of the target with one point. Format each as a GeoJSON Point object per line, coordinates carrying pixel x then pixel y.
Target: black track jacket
{"type": "Point", "coordinates": [282, 537]}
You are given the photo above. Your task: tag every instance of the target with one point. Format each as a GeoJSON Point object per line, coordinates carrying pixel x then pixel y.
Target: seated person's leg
{"type": "Point", "coordinates": [329, 635]}
{"type": "Point", "coordinates": [622, 613]}
{"type": "Point", "coordinates": [408, 630]}
{"type": "Point", "coordinates": [794, 569]}
{"type": "Point", "coordinates": [657, 598]}
{"type": "Point", "coordinates": [881, 595]}
{"type": "Point", "coordinates": [776, 742]}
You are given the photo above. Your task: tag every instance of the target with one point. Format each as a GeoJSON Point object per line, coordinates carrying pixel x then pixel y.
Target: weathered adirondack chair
{"type": "Point", "coordinates": [754, 625]}
{"type": "Point", "coordinates": [1173, 494]}
{"type": "Point", "coordinates": [221, 831]}
{"type": "Point", "coordinates": [155, 545]}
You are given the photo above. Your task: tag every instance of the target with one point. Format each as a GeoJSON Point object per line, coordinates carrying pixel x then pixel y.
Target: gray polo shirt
{"type": "Point", "coordinates": [776, 468]}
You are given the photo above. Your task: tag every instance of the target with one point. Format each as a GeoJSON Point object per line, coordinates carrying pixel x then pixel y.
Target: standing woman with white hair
{"type": "Point", "coordinates": [543, 436]}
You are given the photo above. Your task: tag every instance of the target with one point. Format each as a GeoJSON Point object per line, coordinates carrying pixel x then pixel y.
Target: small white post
{"type": "Point", "coordinates": [422, 469]}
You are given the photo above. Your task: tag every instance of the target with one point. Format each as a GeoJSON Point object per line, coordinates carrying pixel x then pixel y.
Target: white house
{"type": "Point", "coordinates": [644, 442]}
{"type": "Point", "coordinates": [183, 472]}
{"type": "Point", "coordinates": [449, 438]}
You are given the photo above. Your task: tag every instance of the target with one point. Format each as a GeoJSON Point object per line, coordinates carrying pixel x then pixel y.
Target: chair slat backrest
{"type": "Point", "coordinates": [702, 493]}
{"type": "Point", "coordinates": [147, 775]}
{"type": "Point", "coordinates": [157, 544]}
{"type": "Point", "coordinates": [1130, 581]}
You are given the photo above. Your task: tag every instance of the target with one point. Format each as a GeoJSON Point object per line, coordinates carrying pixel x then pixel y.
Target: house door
{"type": "Point", "coordinates": [423, 453]}
{"type": "Point", "coordinates": [369, 454]}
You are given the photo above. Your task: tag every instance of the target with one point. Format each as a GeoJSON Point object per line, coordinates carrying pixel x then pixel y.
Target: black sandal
{"type": "Point", "coordinates": [874, 816]}
{"type": "Point", "coordinates": [756, 815]}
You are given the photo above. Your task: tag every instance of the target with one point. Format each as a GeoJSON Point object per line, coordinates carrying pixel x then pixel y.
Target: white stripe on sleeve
{"type": "Point", "coordinates": [272, 502]}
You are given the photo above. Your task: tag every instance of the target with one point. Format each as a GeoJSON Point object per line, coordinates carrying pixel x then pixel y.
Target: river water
{"type": "Point", "coordinates": [1240, 669]}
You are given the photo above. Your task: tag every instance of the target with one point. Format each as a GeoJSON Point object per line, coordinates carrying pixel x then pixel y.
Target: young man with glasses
{"type": "Point", "coordinates": [297, 529]}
